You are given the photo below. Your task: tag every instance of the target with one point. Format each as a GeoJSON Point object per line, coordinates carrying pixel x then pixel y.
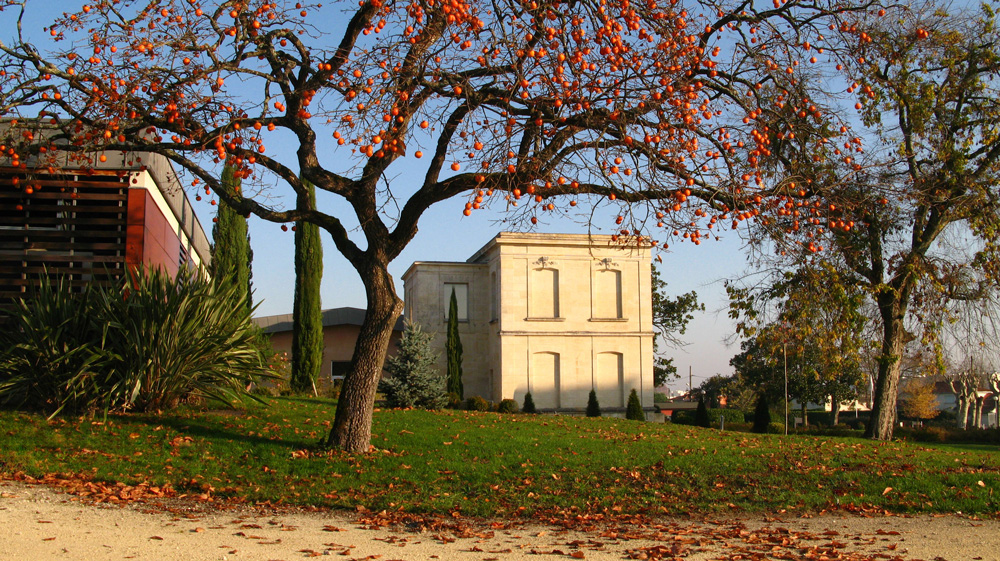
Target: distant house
{"type": "Point", "coordinates": [552, 314]}
{"type": "Point", "coordinates": [91, 225]}
{"type": "Point", "coordinates": [341, 327]}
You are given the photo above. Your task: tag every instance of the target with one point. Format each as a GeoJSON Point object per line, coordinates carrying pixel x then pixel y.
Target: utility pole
{"type": "Point", "coordinates": [690, 381]}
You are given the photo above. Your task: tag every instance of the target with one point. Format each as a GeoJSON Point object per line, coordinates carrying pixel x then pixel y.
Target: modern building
{"type": "Point", "coordinates": [552, 314]}
{"type": "Point", "coordinates": [90, 225]}
{"type": "Point", "coordinates": [341, 327]}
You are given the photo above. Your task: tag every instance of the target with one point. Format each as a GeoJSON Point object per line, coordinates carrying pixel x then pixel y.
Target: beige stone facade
{"type": "Point", "coordinates": [556, 315]}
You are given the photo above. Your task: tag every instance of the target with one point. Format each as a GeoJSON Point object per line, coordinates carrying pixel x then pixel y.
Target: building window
{"type": "Point", "coordinates": [543, 290]}
{"type": "Point", "coordinates": [607, 296]}
{"type": "Point", "coordinates": [461, 291]}
{"type": "Point", "coordinates": [339, 370]}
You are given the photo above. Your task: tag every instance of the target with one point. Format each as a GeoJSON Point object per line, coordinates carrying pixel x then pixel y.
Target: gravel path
{"type": "Point", "coordinates": [38, 523]}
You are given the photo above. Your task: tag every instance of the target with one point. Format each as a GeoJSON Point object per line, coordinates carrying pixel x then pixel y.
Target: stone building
{"type": "Point", "coordinates": [553, 314]}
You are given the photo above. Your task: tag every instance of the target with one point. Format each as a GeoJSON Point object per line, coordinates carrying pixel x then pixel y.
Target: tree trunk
{"type": "Point", "coordinates": [977, 419]}
{"type": "Point", "coordinates": [835, 410]}
{"type": "Point", "coordinates": [883, 416]}
{"type": "Point", "coordinates": [962, 416]}
{"type": "Point", "coordinates": [805, 414]}
{"type": "Point", "coordinates": [352, 426]}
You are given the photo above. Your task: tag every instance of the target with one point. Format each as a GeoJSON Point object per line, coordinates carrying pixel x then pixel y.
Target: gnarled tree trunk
{"type": "Point", "coordinates": [883, 416]}
{"type": "Point", "coordinates": [352, 426]}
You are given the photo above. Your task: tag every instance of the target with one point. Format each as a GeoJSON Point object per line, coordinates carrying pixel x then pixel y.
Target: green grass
{"type": "Point", "coordinates": [501, 465]}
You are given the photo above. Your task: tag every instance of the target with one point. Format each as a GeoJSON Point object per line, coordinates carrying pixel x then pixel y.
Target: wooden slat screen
{"type": "Point", "coordinates": [67, 224]}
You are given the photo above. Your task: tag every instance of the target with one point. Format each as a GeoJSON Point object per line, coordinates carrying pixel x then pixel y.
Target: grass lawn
{"type": "Point", "coordinates": [500, 465]}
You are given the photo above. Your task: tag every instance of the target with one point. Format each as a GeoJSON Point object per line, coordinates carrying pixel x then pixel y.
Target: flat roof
{"type": "Point", "coordinates": [331, 317]}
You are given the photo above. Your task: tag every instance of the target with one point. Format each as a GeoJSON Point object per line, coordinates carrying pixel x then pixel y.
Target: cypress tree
{"type": "Point", "coordinates": [761, 415]}
{"type": "Point", "coordinates": [453, 350]}
{"type": "Point", "coordinates": [593, 407]}
{"type": "Point", "coordinates": [231, 253]}
{"type": "Point", "coordinates": [701, 413]}
{"type": "Point", "coordinates": [307, 312]}
{"type": "Point", "coordinates": [633, 409]}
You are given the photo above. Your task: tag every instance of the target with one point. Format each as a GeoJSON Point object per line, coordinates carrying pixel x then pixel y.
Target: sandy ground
{"type": "Point", "coordinates": [39, 523]}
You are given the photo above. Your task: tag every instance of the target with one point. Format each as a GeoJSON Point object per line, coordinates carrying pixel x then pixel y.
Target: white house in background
{"type": "Point", "coordinates": [553, 314]}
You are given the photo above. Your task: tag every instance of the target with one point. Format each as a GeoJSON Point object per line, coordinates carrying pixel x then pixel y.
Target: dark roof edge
{"type": "Point", "coordinates": [331, 317]}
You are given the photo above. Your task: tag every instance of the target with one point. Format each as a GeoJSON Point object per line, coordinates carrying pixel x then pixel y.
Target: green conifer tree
{"type": "Point", "coordinates": [307, 311]}
{"type": "Point", "coordinates": [453, 350]}
{"type": "Point", "coordinates": [231, 252]}
{"type": "Point", "coordinates": [593, 407]}
{"type": "Point", "coordinates": [412, 380]}
{"type": "Point", "coordinates": [633, 409]}
{"type": "Point", "coordinates": [701, 413]}
{"type": "Point", "coordinates": [529, 404]}
{"type": "Point", "coordinates": [761, 415]}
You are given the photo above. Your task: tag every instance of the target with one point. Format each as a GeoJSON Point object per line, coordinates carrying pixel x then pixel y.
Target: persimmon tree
{"type": "Point", "coordinates": [664, 110]}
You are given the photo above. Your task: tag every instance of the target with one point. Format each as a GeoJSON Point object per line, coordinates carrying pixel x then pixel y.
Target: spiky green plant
{"type": "Point", "coordinates": [174, 338]}
{"type": "Point", "coordinates": [52, 354]}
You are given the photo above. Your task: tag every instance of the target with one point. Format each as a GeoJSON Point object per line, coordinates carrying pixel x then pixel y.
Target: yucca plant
{"type": "Point", "coordinates": [144, 344]}
{"type": "Point", "coordinates": [52, 349]}
{"type": "Point", "coordinates": [176, 338]}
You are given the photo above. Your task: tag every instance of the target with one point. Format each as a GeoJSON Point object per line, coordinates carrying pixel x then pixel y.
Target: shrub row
{"type": "Point", "coordinates": [949, 434]}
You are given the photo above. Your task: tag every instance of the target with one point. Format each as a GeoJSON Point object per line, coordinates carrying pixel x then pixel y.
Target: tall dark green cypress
{"type": "Point", "coordinates": [453, 350]}
{"type": "Point", "coordinates": [307, 311]}
{"type": "Point", "coordinates": [701, 414]}
{"type": "Point", "coordinates": [231, 252]}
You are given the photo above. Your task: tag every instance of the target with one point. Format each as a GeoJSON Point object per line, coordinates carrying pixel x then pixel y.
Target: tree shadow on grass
{"type": "Point", "coordinates": [199, 428]}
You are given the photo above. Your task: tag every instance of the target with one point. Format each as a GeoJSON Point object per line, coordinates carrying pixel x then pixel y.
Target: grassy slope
{"type": "Point", "coordinates": [490, 464]}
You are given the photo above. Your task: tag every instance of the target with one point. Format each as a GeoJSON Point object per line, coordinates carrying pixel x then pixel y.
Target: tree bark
{"type": "Point", "coordinates": [962, 416]}
{"type": "Point", "coordinates": [883, 415]}
{"type": "Point", "coordinates": [352, 425]}
{"type": "Point", "coordinates": [835, 410]}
